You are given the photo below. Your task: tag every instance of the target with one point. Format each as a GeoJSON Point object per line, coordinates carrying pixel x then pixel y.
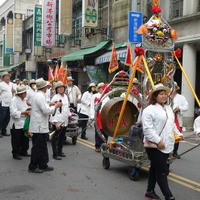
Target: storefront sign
{"type": "Point", "coordinates": [48, 22]}
{"type": "Point", "coordinates": [18, 32]}
{"type": "Point", "coordinates": [37, 26]}
{"type": "Point", "coordinates": [65, 17]}
{"type": "Point", "coordinates": [90, 13]}
{"type": "Point", "coordinates": [9, 36]}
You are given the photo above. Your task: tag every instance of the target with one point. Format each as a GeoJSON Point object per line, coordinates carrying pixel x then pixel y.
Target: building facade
{"type": "Point", "coordinates": [86, 51]}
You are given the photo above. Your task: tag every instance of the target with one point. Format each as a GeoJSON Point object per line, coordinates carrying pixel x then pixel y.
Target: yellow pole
{"type": "Point", "coordinates": [125, 99]}
{"type": "Point", "coordinates": [187, 80]}
{"type": "Point", "coordinates": [147, 70]}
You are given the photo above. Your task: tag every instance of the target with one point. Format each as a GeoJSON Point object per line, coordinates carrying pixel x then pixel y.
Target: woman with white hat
{"type": "Point", "coordinates": [158, 127]}
{"type": "Point", "coordinates": [59, 120]}
{"type": "Point", "coordinates": [85, 108]}
{"type": "Point", "coordinates": [18, 113]}
{"type": "Point", "coordinates": [39, 127]}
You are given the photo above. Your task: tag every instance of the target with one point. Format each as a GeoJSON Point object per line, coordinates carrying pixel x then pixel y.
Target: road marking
{"type": "Point", "coordinates": [92, 147]}
{"type": "Point", "coordinates": [86, 141]}
{"type": "Point", "coordinates": [193, 185]}
{"type": "Point", "coordinates": [189, 143]}
{"type": "Point", "coordinates": [184, 184]}
{"type": "Point", "coordinates": [185, 179]}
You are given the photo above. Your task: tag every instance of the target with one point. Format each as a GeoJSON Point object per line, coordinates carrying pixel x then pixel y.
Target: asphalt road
{"type": "Point", "coordinates": [80, 176]}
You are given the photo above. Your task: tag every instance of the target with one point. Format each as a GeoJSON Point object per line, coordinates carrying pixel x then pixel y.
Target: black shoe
{"type": "Point", "coordinates": [152, 196]}
{"type": "Point", "coordinates": [98, 150]}
{"type": "Point", "coordinates": [48, 169]}
{"type": "Point", "coordinates": [169, 198]}
{"type": "Point", "coordinates": [176, 156]}
{"type": "Point", "coordinates": [26, 155]}
{"type": "Point", "coordinates": [17, 157]}
{"type": "Point", "coordinates": [84, 138]}
{"type": "Point", "coordinates": [6, 134]}
{"type": "Point", "coordinates": [37, 170]}
{"type": "Point", "coordinates": [62, 154]}
{"type": "Point", "coordinates": [1, 136]}
{"type": "Point", "coordinates": [57, 158]}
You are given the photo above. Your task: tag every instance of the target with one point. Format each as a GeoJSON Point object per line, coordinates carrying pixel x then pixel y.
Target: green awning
{"type": "Point", "coordinates": [79, 55]}
{"type": "Point", "coordinates": [119, 45]}
{"type": "Point", "coordinates": [11, 67]}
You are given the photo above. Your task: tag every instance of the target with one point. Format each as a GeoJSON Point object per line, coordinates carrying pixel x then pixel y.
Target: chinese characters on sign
{"type": "Point", "coordinates": [38, 26]}
{"type": "Point", "coordinates": [135, 20]}
{"type": "Point", "coordinates": [90, 13]}
{"type": "Point", "coordinates": [48, 22]}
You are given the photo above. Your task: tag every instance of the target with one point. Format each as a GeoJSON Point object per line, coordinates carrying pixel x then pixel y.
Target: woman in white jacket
{"type": "Point", "coordinates": [85, 108]}
{"type": "Point", "coordinates": [158, 127]}
{"type": "Point", "coordinates": [59, 120]}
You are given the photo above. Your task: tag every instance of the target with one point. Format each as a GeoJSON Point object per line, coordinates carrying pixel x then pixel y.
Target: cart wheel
{"type": "Point", "coordinates": [74, 139]}
{"type": "Point", "coordinates": [133, 173]}
{"type": "Point", "coordinates": [106, 163]}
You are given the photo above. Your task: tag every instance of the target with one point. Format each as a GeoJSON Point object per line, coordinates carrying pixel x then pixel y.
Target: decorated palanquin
{"type": "Point", "coordinates": [158, 42]}
{"type": "Point", "coordinates": [154, 62]}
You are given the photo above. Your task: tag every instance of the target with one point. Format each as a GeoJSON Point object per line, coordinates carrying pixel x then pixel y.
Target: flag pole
{"type": "Point", "coordinates": [187, 80]}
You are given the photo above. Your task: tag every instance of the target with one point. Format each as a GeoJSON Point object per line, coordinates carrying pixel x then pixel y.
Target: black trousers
{"type": "Point", "coordinates": [72, 106]}
{"type": "Point", "coordinates": [19, 142]}
{"type": "Point", "coordinates": [83, 124]}
{"type": "Point", "coordinates": [57, 140]}
{"type": "Point", "coordinates": [176, 146]}
{"type": "Point", "coordinates": [158, 171]}
{"type": "Point", "coordinates": [39, 151]}
{"type": "Point", "coordinates": [98, 140]}
{"type": "Point", "coordinates": [4, 118]}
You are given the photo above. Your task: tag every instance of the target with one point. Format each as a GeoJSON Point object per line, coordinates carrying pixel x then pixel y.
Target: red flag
{"type": "Point", "coordinates": [56, 72]}
{"type": "Point", "coordinates": [60, 73]}
{"type": "Point", "coordinates": [139, 64]}
{"type": "Point", "coordinates": [50, 75]}
{"type": "Point", "coordinates": [114, 65]}
{"type": "Point", "coordinates": [129, 60]}
{"type": "Point", "coordinates": [65, 76]}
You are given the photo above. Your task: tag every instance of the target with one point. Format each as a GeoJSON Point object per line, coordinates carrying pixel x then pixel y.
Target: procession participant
{"type": "Point", "coordinates": [158, 124]}
{"type": "Point", "coordinates": [73, 92]}
{"type": "Point", "coordinates": [18, 113]}
{"type": "Point", "coordinates": [6, 93]}
{"type": "Point", "coordinates": [59, 121]}
{"type": "Point", "coordinates": [25, 82]}
{"type": "Point", "coordinates": [31, 91]}
{"type": "Point", "coordinates": [180, 106]}
{"type": "Point", "coordinates": [39, 127]}
{"type": "Point", "coordinates": [132, 99]}
{"type": "Point", "coordinates": [48, 93]}
{"type": "Point", "coordinates": [85, 108]}
{"type": "Point", "coordinates": [98, 127]}
{"type": "Point", "coordinates": [196, 126]}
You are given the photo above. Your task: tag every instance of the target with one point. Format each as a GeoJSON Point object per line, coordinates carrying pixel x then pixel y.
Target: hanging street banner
{"type": "Point", "coordinates": [9, 36]}
{"type": "Point", "coordinates": [37, 31]}
{"type": "Point", "coordinates": [90, 13]}
{"type": "Point", "coordinates": [37, 26]}
{"type": "Point", "coordinates": [65, 17]}
{"type": "Point", "coordinates": [48, 22]}
{"type": "Point", "coordinates": [17, 32]}
{"type": "Point", "coordinates": [134, 21]}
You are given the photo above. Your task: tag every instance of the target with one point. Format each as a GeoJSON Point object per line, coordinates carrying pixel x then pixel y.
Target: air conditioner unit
{"type": "Point", "coordinates": [27, 51]}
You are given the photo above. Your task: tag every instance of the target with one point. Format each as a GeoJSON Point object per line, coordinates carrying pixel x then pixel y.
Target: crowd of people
{"type": "Point", "coordinates": [39, 102]}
